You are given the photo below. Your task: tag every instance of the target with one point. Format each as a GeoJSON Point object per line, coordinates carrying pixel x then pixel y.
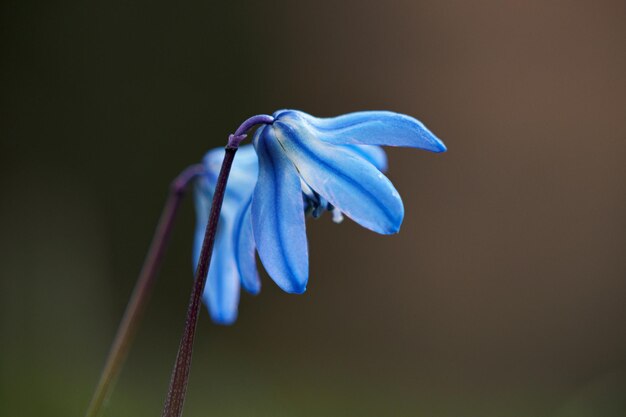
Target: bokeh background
{"type": "Point", "coordinates": [503, 295]}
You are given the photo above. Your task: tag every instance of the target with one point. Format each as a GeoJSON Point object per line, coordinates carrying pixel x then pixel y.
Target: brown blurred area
{"type": "Point", "coordinates": [503, 294]}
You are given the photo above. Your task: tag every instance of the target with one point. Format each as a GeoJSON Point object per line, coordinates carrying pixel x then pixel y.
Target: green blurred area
{"type": "Point", "coordinates": [503, 295]}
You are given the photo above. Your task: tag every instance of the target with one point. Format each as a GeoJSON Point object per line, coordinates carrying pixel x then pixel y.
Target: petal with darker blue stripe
{"type": "Point", "coordinates": [278, 215]}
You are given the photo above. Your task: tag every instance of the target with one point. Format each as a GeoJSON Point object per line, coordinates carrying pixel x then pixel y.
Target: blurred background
{"type": "Point", "coordinates": [503, 295]}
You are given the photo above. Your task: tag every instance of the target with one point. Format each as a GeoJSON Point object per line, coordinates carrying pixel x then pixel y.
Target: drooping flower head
{"type": "Point", "coordinates": [303, 165]}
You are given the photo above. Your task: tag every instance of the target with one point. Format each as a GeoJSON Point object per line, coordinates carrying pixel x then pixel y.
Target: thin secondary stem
{"type": "Point", "coordinates": [143, 288]}
{"type": "Point", "coordinates": [177, 392]}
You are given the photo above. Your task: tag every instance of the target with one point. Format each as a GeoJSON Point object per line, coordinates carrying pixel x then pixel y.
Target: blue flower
{"type": "Point", "coordinates": [303, 165]}
{"type": "Point", "coordinates": [300, 153]}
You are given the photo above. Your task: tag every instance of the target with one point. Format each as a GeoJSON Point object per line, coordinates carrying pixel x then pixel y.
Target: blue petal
{"type": "Point", "coordinates": [278, 215]}
{"type": "Point", "coordinates": [374, 128]}
{"type": "Point", "coordinates": [346, 180]}
{"type": "Point", "coordinates": [243, 241]}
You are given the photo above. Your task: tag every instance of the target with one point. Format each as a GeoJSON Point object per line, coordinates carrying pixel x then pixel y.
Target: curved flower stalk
{"type": "Point", "coordinates": [301, 153]}
{"type": "Point", "coordinates": [234, 262]}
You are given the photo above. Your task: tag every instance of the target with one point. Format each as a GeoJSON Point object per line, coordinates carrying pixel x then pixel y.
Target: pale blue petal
{"type": "Point", "coordinates": [243, 174]}
{"type": "Point", "coordinates": [202, 200]}
{"type": "Point", "coordinates": [221, 293]}
{"type": "Point", "coordinates": [243, 241]}
{"type": "Point", "coordinates": [372, 128]}
{"type": "Point", "coordinates": [374, 154]}
{"type": "Point", "coordinates": [278, 215]}
{"type": "Point", "coordinates": [346, 180]}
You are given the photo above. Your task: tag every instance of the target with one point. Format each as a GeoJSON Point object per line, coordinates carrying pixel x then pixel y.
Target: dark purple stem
{"type": "Point", "coordinates": [180, 375]}
{"type": "Point", "coordinates": [143, 288]}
